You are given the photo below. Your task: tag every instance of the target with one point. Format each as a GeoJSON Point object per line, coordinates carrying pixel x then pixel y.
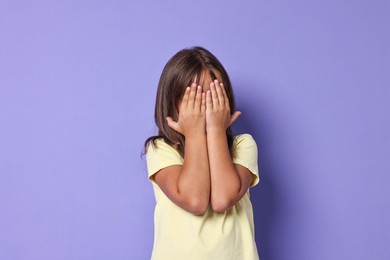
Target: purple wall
{"type": "Point", "coordinates": [77, 87]}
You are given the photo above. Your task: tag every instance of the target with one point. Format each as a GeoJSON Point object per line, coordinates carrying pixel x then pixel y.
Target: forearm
{"type": "Point", "coordinates": [225, 182]}
{"type": "Point", "coordinates": [194, 180]}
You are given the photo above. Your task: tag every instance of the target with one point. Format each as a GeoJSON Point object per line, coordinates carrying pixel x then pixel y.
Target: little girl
{"type": "Point", "coordinates": [200, 172]}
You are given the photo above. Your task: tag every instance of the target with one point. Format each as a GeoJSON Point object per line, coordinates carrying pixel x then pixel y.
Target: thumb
{"type": "Point", "coordinates": [234, 117]}
{"type": "Point", "coordinates": [172, 124]}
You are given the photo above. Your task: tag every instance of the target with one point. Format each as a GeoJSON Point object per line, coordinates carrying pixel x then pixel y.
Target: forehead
{"type": "Point", "coordinates": [206, 78]}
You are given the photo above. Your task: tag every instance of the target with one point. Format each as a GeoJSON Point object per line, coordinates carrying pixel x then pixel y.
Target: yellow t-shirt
{"type": "Point", "coordinates": [180, 235]}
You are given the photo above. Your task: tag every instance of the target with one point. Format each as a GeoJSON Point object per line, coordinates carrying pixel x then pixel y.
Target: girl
{"type": "Point", "coordinates": [200, 172]}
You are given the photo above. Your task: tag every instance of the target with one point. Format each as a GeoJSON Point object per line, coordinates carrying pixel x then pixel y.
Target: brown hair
{"type": "Point", "coordinates": [179, 73]}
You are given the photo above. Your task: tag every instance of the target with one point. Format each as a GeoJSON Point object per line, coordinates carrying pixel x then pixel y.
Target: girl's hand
{"type": "Point", "coordinates": [218, 116]}
{"type": "Point", "coordinates": [192, 112]}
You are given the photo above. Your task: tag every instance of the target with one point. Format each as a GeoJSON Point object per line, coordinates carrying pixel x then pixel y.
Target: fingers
{"type": "Point", "coordinates": [234, 117]}
{"type": "Point", "coordinates": [192, 98]}
{"type": "Point", "coordinates": [198, 99]}
{"type": "Point", "coordinates": [214, 95]}
{"type": "Point", "coordinates": [218, 88]}
{"type": "Point", "coordinates": [184, 102]}
{"type": "Point", "coordinates": [218, 94]}
{"type": "Point", "coordinates": [192, 95]}
{"type": "Point", "coordinates": [209, 102]}
{"type": "Point", "coordinates": [225, 96]}
{"type": "Point", "coordinates": [203, 106]}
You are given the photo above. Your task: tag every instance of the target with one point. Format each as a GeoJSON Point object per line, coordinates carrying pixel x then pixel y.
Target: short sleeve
{"type": "Point", "coordinates": [159, 156]}
{"type": "Point", "coordinates": [246, 155]}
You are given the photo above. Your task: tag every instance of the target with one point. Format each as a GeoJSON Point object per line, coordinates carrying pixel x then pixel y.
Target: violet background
{"type": "Point", "coordinates": [77, 87]}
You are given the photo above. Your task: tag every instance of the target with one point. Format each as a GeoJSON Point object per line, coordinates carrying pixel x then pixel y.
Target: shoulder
{"type": "Point", "coordinates": [246, 154]}
{"type": "Point", "coordinates": [244, 140]}
{"type": "Point", "coordinates": [159, 155]}
{"type": "Point", "coordinates": [158, 143]}
{"type": "Point", "coordinates": [245, 147]}
{"type": "Point", "coordinates": [159, 149]}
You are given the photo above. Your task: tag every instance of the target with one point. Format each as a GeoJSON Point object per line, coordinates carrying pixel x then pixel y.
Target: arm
{"type": "Point", "coordinates": [188, 185]}
{"type": "Point", "coordinates": [229, 182]}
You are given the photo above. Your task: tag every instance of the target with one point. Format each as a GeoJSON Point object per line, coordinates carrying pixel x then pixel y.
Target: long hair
{"type": "Point", "coordinates": [179, 72]}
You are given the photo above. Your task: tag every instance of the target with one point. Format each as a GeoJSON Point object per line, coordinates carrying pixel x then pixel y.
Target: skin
{"type": "Point", "coordinates": [208, 176]}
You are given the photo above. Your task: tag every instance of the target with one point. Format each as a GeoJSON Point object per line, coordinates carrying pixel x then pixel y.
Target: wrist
{"type": "Point", "coordinates": [195, 134]}
{"type": "Point", "coordinates": [216, 131]}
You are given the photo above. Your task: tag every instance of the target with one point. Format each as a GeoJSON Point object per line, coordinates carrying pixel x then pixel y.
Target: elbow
{"type": "Point", "coordinates": [222, 205]}
{"type": "Point", "coordinates": [198, 206]}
